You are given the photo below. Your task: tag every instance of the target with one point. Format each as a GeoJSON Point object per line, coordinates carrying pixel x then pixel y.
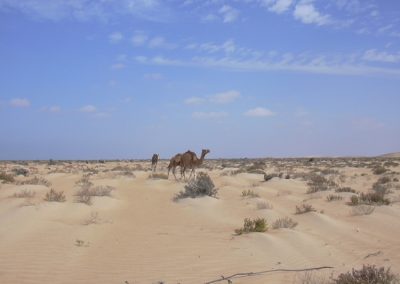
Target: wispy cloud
{"type": "Point", "coordinates": [88, 109]}
{"type": "Point", "coordinates": [194, 101]}
{"type": "Point", "coordinates": [21, 103]}
{"type": "Point", "coordinates": [229, 14]}
{"type": "Point", "coordinates": [277, 6]}
{"type": "Point", "coordinates": [381, 56]}
{"type": "Point", "coordinates": [259, 112]}
{"type": "Point", "coordinates": [225, 97]}
{"type": "Point", "coordinates": [139, 38]}
{"type": "Point", "coordinates": [209, 115]}
{"type": "Point", "coordinates": [115, 37]}
{"type": "Point", "coordinates": [51, 109]}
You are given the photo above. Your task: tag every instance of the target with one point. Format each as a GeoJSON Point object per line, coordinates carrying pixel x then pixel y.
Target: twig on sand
{"type": "Point", "coordinates": [373, 254]}
{"type": "Point", "coordinates": [247, 274]}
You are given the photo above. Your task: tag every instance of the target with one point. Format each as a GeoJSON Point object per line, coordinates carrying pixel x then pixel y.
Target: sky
{"type": "Point", "coordinates": [123, 79]}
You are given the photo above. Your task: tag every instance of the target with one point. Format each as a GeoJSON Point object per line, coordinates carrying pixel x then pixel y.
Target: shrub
{"type": "Point", "coordinates": [20, 172]}
{"type": "Point", "coordinates": [304, 208]}
{"type": "Point", "coordinates": [24, 194]}
{"type": "Point", "coordinates": [354, 200]}
{"type": "Point", "coordinates": [368, 274]}
{"type": "Point", "coordinates": [7, 178]}
{"type": "Point", "coordinates": [37, 181]}
{"type": "Point", "coordinates": [249, 193]}
{"type": "Point", "coordinates": [268, 177]}
{"type": "Point", "coordinates": [263, 205]}
{"type": "Point", "coordinates": [256, 225]}
{"type": "Point", "coordinates": [319, 183]}
{"type": "Point", "coordinates": [158, 176]}
{"type": "Point", "coordinates": [101, 190]}
{"type": "Point", "coordinates": [379, 170]}
{"type": "Point", "coordinates": [345, 189]}
{"type": "Point", "coordinates": [202, 185]}
{"type": "Point", "coordinates": [54, 196]}
{"type": "Point", "coordinates": [374, 198]}
{"type": "Point", "coordinates": [286, 222]}
{"type": "Point", "coordinates": [362, 210]}
{"type": "Point", "coordinates": [333, 197]}
{"type": "Point", "coordinates": [83, 196]}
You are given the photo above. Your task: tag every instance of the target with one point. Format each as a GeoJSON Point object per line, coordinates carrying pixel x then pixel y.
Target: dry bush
{"type": "Point", "coordinates": [312, 278]}
{"type": "Point", "coordinates": [286, 222]}
{"type": "Point", "coordinates": [371, 198]}
{"type": "Point", "coordinates": [263, 205]}
{"type": "Point", "coordinates": [93, 219]}
{"type": "Point", "coordinates": [202, 185]}
{"type": "Point", "coordinates": [101, 190]}
{"type": "Point", "coordinates": [268, 177]}
{"type": "Point", "coordinates": [54, 196]}
{"type": "Point", "coordinates": [20, 172]}
{"type": "Point", "coordinates": [333, 197]}
{"type": "Point", "coordinates": [24, 194]}
{"type": "Point", "coordinates": [7, 178]}
{"type": "Point", "coordinates": [362, 210]}
{"type": "Point", "coordinates": [249, 193]}
{"type": "Point", "coordinates": [379, 170]}
{"type": "Point", "coordinates": [36, 181]}
{"type": "Point", "coordinates": [158, 176]}
{"type": "Point", "coordinates": [84, 181]}
{"type": "Point", "coordinates": [304, 208]}
{"type": "Point", "coordinates": [368, 274]}
{"type": "Point", "coordinates": [256, 225]}
{"type": "Point", "coordinates": [345, 189]}
{"type": "Point", "coordinates": [85, 194]}
{"type": "Point", "coordinates": [320, 183]}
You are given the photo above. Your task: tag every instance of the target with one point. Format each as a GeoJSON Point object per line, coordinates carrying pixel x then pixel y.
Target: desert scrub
{"type": "Point", "coordinates": [7, 178]}
{"type": "Point", "coordinates": [85, 194]}
{"type": "Point", "coordinates": [202, 185]}
{"type": "Point", "coordinates": [24, 194]}
{"type": "Point", "coordinates": [304, 208]}
{"type": "Point", "coordinates": [333, 197]}
{"type": "Point", "coordinates": [345, 189]}
{"type": "Point", "coordinates": [256, 225]}
{"type": "Point", "coordinates": [20, 172]}
{"type": "Point", "coordinates": [158, 176]}
{"type": "Point", "coordinates": [36, 181]}
{"type": "Point", "coordinates": [368, 274]}
{"type": "Point", "coordinates": [320, 183]}
{"type": "Point", "coordinates": [379, 170]}
{"type": "Point", "coordinates": [362, 209]}
{"type": "Point", "coordinates": [371, 198]}
{"type": "Point", "coordinates": [249, 193]}
{"type": "Point", "coordinates": [263, 205]}
{"type": "Point", "coordinates": [54, 196]}
{"type": "Point", "coordinates": [268, 177]}
{"type": "Point", "coordinates": [286, 222]}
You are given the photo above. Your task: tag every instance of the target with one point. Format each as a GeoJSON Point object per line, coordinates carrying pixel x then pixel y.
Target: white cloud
{"type": "Point", "coordinates": [118, 66]}
{"type": "Point", "coordinates": [139, 38]}
{"type": "Point", "coordinates": [225, 97]}
{"type": "Point", "coordinates": [381, 56]}
{"type": "Point", "coordinates": [160, 42]}
{"type": "Point", "coordinates": [153, 76]}
{"type": "Point", "coordinates": [308, 14]}
{"type": "Point", "coordinates": [53, 109]}
{"type": "Point", "coordinates": [277, 6]}
{"type": "Point", "coordinates": [209, 115]}
{"type": "Point", "coordinates": [259, 112]}
{"type": "Point", "coordinates": [115, 37]}
{"type": "Point", "coordinates": [89, 109]}
{"type": "Point", "coordinates": [209, 47]}
{"type": "Point", "coordinates": [229, 14]}
{"type": "Point", "coordinates": [20, 102]}
{"type": "Point", "coordinates": [194, 101]}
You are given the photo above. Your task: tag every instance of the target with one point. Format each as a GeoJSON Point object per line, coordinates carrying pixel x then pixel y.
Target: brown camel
{"type": "Point", "coordinates": [173, 163]}
{"type": "Point", "coordinates": [154, 161]}
{"type": "Point", "coordinates": [189, 160]}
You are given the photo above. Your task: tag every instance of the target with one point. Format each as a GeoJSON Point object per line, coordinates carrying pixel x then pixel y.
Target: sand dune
{"type": "Point", "coordinates": [140, 235]}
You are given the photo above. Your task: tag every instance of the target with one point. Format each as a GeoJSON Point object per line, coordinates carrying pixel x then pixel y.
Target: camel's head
{"type": "Point", "coordinates": [205, 152]}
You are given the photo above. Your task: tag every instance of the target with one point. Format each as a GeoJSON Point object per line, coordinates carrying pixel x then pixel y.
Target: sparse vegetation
{"type": "Point", "coordinates": [158, 176]}
{"type": "Point", "coordinates": [368, 274]}
{"type": "Point", "coordinates": [333, 197]}
{"type": "Point", "coordinates": [24, 194]}
{"type": "Point", "coordinates": [362, 210]}
{"type": "Point", "coordinates": [54, 196]}
{"type": "Point", "coordinates": [20, 172]}
{"type": "Point", "coordinates": [249, 193]}
{"type": "Point", "coordinates": [85, 194]}
{"type": "Point", "coordinates": [379, 170]}
{"type": "Point", "coordinates": [285, 222]}
{"type": "Point", "coordinates": [304, 208]}
{"type": "Point", "coordinates": [202, 185]}
{"type": "Point", "coordinates": [263, 205]}
{"type": "Point", "coordinates": [256, 225]}
{"type": "Point", "coordinates": [7, 178]}
{"type": "Point", "coordinates": [371, 198]}
{"type": "Point", "coordinates": [320, 183]}
{"type": "Point", "coordinates": [36, 181]}
{"type": "Point", "coordinates": [268, 177]}
{"type": "Point", "coordinates": [345, 189]}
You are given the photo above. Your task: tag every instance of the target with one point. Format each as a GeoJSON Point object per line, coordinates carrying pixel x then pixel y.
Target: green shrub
{"type": "Point", "coordinates": [202, 185]}
{"type": "Point", "coordinates": [256, 225]}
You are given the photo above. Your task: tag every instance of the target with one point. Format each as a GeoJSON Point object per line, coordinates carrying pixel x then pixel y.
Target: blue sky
{"type": "Point", "coordinates": [97, 79]}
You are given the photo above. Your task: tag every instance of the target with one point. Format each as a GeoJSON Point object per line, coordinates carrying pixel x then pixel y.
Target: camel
{"type": "Point", "coordinates": [154, 161]}
{"type": "Point", "coordinates": [173, 163]}
{"type": "Point", "coordinates": [189, 160]}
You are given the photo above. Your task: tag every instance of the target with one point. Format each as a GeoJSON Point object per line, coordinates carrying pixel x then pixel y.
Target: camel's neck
{"type": "Point", "coordinates": [200, 161]}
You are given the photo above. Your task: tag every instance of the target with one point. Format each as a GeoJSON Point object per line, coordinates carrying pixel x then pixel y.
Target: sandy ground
{"type": "Point", "coordinates": [140, 235]}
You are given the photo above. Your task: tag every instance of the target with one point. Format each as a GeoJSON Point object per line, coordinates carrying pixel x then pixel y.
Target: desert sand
{"type": "Point", "coordinates": [139, 234]}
